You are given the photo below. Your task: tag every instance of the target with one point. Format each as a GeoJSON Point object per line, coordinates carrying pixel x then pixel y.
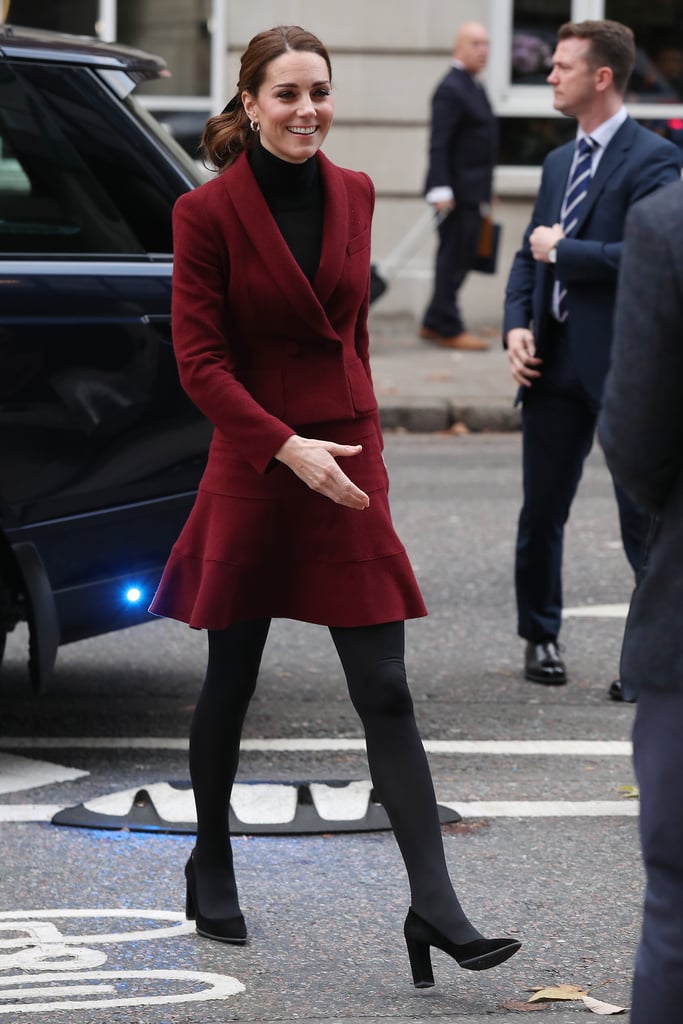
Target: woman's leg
{"type": "Point", "coordinates": [373, 661]}
{"type": "Point", "coordinates": [215, 732]}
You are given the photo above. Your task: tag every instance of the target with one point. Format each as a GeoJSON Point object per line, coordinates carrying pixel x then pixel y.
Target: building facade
{"type": "Point", "coordinates": [387, 58]}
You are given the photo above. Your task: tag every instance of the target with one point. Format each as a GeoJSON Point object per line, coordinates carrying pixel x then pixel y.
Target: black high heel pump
{"type": "Point", "coordinates": [478, 955]}
{"type": "Point", "coordinates": [223, 929]}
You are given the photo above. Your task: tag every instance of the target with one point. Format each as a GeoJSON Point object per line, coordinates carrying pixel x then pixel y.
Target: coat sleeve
{"type": "Point", "coordinates": [447, 111]}
{"type": "Point", "coordinates": [201, 335]}
{"type": "Point", "coordinates": [519, 291]}
{"type": "Point", "coordinates": [641, 423]}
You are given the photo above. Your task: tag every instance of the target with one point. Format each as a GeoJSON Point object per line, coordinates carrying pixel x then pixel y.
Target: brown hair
{"type": "Point", "coordinates": [227, 134]}
{"type": "Point", "coordinates": [611, 45]}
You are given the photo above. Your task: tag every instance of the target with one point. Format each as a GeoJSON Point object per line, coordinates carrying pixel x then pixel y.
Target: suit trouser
{"type": "Point", "coordinates": [558, 428]}
{"type": "Point", "coordinates": [458, 242]}
{"type": "Point", "coordinates": [658, 760]}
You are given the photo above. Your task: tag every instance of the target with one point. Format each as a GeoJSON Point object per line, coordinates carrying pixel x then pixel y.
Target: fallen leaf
{"type": "Point", "coordinates": [603, 1009]}
{"type": "Point", "coordinates": [559, 992]}
{"type": "Point", "coordinates": [629, 792]}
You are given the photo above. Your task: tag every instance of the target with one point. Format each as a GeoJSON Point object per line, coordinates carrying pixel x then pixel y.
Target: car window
{"type": "Point", "coordinates": [73, 178]}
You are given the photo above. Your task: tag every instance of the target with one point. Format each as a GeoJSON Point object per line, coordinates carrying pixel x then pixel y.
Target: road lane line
{"type": "Point", "coordinates": [596, 611]}
{"type": "Point", "coordinates": [538, 747]}
{"type": "Point", "coordinates": [544, 808]}
{"type": "Point", "coordinates": [471, 809]}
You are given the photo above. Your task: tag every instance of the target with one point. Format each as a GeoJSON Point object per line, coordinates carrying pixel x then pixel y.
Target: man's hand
{"type": "Point", "coordinates": [444, 206]}
{"type": "Point", "coordinates": [542, 239]}
{"type": "Point", "coordinates": [314, 462]}
{"type": "Point", "coordinates": [524, 362]}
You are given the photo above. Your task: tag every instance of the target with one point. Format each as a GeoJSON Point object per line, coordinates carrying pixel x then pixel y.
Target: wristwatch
{"type": "Point", "coordinates": [552, 255]}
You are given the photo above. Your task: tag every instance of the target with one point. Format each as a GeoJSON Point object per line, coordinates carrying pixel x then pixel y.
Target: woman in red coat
{"type": "Point", "coordinates": [270, 301]}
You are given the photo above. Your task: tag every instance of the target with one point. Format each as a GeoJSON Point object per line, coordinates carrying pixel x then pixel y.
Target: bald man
{"type": "Point", "coordinates": [462, 154]}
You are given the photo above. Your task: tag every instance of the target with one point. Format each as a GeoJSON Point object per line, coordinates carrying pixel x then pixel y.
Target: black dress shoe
{"type": "Point", "coordinates": [616, 692]}
{"type": "Point", "coordinates": [543, 664]}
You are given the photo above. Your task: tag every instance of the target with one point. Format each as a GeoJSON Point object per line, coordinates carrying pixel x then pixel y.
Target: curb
{"type": "Point", "coordinates": [419, 415]}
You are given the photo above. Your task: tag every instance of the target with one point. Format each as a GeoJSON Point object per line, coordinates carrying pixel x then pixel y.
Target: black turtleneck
{"type": "Point", "coordinates": [295, 197]}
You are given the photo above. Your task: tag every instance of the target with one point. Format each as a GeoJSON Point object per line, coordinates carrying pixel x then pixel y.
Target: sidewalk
{"type": "Point", "coordinates": [421, 387]}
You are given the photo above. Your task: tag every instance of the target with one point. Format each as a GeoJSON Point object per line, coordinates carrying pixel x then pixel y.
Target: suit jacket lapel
{"type": "Point", "coordinates": [614, 155]}
{"type": "Point", "coordinates": [336, 230]}
{"type": "Point", "coordinates": [559, 181]}
{"type": "Point", "coordinates": [273, 252]}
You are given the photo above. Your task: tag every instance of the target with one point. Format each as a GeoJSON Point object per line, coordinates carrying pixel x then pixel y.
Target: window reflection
{"type": "Point", "coordinates": [528, 140]}
{"type": "Point", "coordinates": [79, 16]}
{"type": "Point", "coordinates": [180, 32]}
{"type": "Point", "coordinates": [181, 36]}
{"type": "Point", "coordinates": [534, 31]}
{"type": "Point", "coordinates": [658, 28]}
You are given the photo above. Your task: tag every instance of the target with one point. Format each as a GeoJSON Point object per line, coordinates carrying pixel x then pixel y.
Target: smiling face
{"type": "Point", "coordinates": [293, 106]}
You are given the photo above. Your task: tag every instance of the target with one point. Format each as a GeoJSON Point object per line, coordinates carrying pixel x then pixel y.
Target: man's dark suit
{"type": "Point", "coordinates": [641, 431]}
{"type": "Point", "coordinates": [462, 154]}
{"type": "Point", "coordinates": [560, 408]}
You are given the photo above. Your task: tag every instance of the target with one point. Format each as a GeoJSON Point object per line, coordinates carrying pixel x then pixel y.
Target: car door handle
{"type": "Point", "coordinates": [161, 322]}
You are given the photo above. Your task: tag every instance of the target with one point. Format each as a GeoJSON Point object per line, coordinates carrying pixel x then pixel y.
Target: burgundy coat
{"type": "Point", "coordinates": [264, 354]}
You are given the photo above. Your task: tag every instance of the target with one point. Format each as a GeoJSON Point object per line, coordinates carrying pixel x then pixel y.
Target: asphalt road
{"type": "Point", "coordinates": [92, 925]}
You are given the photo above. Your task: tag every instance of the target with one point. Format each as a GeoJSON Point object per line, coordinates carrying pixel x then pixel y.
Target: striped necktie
{"type": "Point", "coordinates": [577, 190]}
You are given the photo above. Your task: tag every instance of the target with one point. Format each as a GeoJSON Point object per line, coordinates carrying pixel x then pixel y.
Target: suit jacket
{"type": "Point", "coordinates": [635, 163]}
{"type": "Point", "coordinates": [464, 139]}
{"type": "Point", "coordinates": [641, 431]}
{"type": "Point", "coordinates": [233, 271]}
{"type": "Point", "coordinates": [265, 353]}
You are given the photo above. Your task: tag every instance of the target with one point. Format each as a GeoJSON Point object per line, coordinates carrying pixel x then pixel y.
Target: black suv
{"type": "Point", "coordinates": [100, 450]}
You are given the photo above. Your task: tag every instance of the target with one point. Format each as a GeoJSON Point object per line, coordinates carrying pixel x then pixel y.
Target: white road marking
{"type": "Point", "coordinates": [29, 812]}
{"type": "Point", "coordinates": [580, 748]}
{"type": "Point", "coordinates": [268, 803]}
{"type": "Point", "coordinates": [347, 803]}
{"type": "Point", "coordinates": [472, 809]}
{"type": "Point", "coordinates": [596, 611]}
{"type": "Point", "coordinates": [178, 924]}
{"type": "Point", "coordinates": [544, 808]}
{"type": "Point", "coordinates": [17, 773]}
{"type": "Point", "coordinates": [219, 986]}
{"type": "Point", "coordinates": [177, 804]}
{"type": "Point", "coordinates": [56, 965]}
{"type": "Point", "coordinates": [66, 990]}
{"type": "Point", "coordinates": [171, 804]}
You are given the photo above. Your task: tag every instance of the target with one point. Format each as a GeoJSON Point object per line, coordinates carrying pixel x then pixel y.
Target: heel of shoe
{"type": "Point", "coordinates": [478, 955]}
{"type": "Point", "coordinates": [420, 963]}
{"type": "Point", "coordinates": [224, 929]}
{"type": "Point", "coordinates": [190, 911]}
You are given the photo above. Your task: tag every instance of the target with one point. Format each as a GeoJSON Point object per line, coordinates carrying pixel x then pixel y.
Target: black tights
{"type": "Point", "coordinates": [373, 661]}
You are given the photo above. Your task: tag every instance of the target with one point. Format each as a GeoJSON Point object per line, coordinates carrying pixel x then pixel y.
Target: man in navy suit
{"type": "Point", "coordinates": [641, 430]}
{"type": "Point", "coordinates": [462, 154]}
{"type": "Point", "coordinates": [559, 305]}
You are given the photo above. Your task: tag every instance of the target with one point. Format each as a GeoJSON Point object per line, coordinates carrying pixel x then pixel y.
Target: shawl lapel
{"type": "Point", "coordinates": [272, 251]}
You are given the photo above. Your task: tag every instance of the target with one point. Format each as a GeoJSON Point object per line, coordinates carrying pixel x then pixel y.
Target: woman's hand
{"type": "Point", "coordinates": [314, 462]}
